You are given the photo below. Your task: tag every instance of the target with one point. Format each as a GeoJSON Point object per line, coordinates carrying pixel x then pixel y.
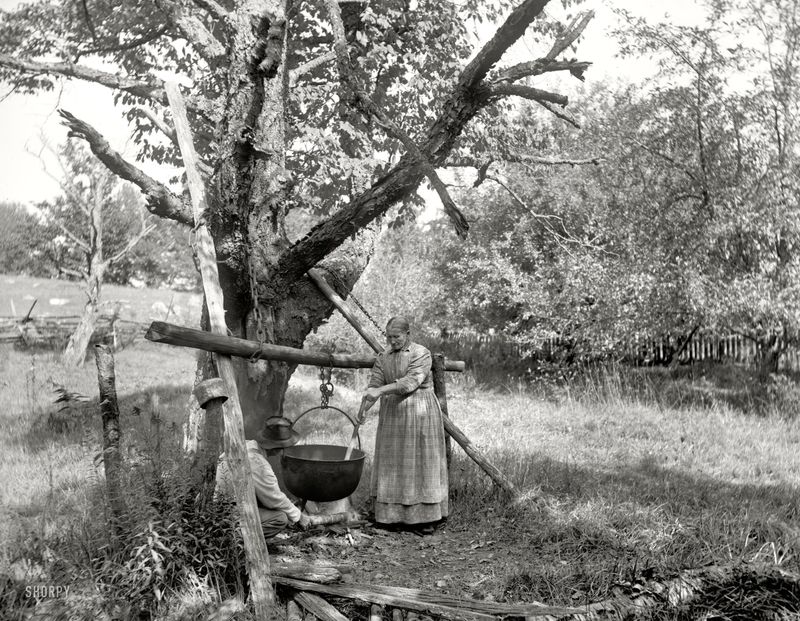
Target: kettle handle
{"type": "Point", "coordinates": [331, 407]}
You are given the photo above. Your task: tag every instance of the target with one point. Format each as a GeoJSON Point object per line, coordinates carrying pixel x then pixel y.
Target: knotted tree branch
{"type": "Point", "coordinates": [160, 200]}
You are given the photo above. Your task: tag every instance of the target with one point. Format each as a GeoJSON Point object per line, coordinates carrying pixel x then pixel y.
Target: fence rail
{"type": "Point", "coordinates": [54, 332]}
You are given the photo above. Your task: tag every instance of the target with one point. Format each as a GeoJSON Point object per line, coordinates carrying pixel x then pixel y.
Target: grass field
{"type": "Point", "coordinates": [623, 474]}
{"type": "Point", "coordinates": [65, 298]}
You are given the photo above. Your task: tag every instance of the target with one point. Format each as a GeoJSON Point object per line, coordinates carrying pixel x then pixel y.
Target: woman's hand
{"type": "Point", "coordinates": [369, 399]}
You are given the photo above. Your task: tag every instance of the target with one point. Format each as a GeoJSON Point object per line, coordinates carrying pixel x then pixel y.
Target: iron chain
{"type": "Point", "coordinates": [355, 300]}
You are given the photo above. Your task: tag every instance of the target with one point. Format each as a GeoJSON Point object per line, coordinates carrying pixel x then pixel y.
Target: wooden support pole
{"type": "Point", "coordinates": [335, 299]}
{"type": "Point", "coordinates": [112, 459]}
{"type": "Point", "coordinates": [170, 334]}
{"type": "Point", "coordinates": [440, 390]}
{"type": "Point", "coordinates": [375, 613]}
{"type": "Point", "coordinates": [261, 591]}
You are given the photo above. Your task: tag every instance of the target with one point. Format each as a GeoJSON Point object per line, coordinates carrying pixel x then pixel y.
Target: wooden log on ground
{"type": "Point", "coordinates": [170, 334]}
{"type": "Point", "coordinates": [320, 573]}
{"type": "Point", "coordinates": [319, 607]}
{"type": "Point", "coordinates": [431, 602]}
{"type": "Point", "coordinates": [112, 459]}
{"type": "Point", "coordinates": [261, 591]}
{"type": "Point", "coordinates": [293, 611]}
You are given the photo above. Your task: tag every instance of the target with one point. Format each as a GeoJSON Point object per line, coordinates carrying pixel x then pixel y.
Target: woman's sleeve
{"type": "Point", "coordinates": [418, 368]}
{"type": "Point", "coordinates": [376, 377]}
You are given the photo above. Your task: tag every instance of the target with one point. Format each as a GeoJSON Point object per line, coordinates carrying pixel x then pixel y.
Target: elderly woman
{"type": "Point", "coordinates": [409, 475]}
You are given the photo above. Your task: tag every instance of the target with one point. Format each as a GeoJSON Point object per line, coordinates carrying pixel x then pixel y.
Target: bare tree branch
{"type": "Point", "coordinates": [512, 29]}
{"type": "Point", "coordinates": [80, 243]}
{"type": "Point", "coordinates": [160, 200]}
{"type": "Point", "coordinates": [147, 88]}
{"type": "Point", "coordinates": [561, 238]}
{"type": "Point", "coordinates": [312, 64]}
{"type": "Point", "coordinates": [146, 230]}
{"type": "Point", "coordinates": [193, 30]}
{"type": "Point", "coordinates": [559, 113]}
{"type": "Point", "coordinates": [368, 107]}
{"type": "Point", "coordinates": [528, 92]}
{"type": "Point", "coordinates": [540, 66]}
{"type": "Point", "coordinates": [129, 45]}
{"type": "Point", "coordinates": [680, 166]}
{"type": "Point", "coordinates": [463, 161]}
{"type": "Point", "coordinates": [570, 34]}
{"type": "Point", "coordinates": [160, 124]}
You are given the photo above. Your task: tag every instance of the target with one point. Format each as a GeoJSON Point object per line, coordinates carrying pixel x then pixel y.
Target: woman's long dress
{"type": "Point", "coordinates": [409, 474]}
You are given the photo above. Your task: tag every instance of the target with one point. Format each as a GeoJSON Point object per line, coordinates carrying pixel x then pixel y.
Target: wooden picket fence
{"type": "Point", "coordinates": [53, 332]}
{"type": "Point", "coordinates": [482, 350]}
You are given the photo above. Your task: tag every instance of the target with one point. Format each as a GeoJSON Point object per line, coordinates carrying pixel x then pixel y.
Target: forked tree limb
{"type": "Point", "coordinates": [540, 66]}
{"type": "Point", "coordinates": [160, 200]}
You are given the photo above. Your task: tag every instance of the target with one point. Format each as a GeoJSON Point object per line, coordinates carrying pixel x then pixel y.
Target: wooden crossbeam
{"type": "Point", "coordinates": [170, 334]}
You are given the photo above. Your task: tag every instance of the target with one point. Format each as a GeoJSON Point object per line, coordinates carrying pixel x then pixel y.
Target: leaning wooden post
{"type": "Point", "coordinates": [112, 459]}
{"type": "Point", "coordinates": [439, 388]}
{"type": "Point", "coordinates": [255, 547]}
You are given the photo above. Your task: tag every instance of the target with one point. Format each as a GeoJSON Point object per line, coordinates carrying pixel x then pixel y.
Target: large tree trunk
{"type": "Point", "coordinates": [249, 204]}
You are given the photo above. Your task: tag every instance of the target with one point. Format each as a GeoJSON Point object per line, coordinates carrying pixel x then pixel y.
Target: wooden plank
{"type": "Point", "coordinates": [261, 591]}
{"type": "Point", "coordinates": [170, 334]}
{"type": "Point", "coordinates": [429, 602]}
{"type": "Point", "coordinates": [367, 595]}
{"type": "Point", "coordinates": [319, 607]}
